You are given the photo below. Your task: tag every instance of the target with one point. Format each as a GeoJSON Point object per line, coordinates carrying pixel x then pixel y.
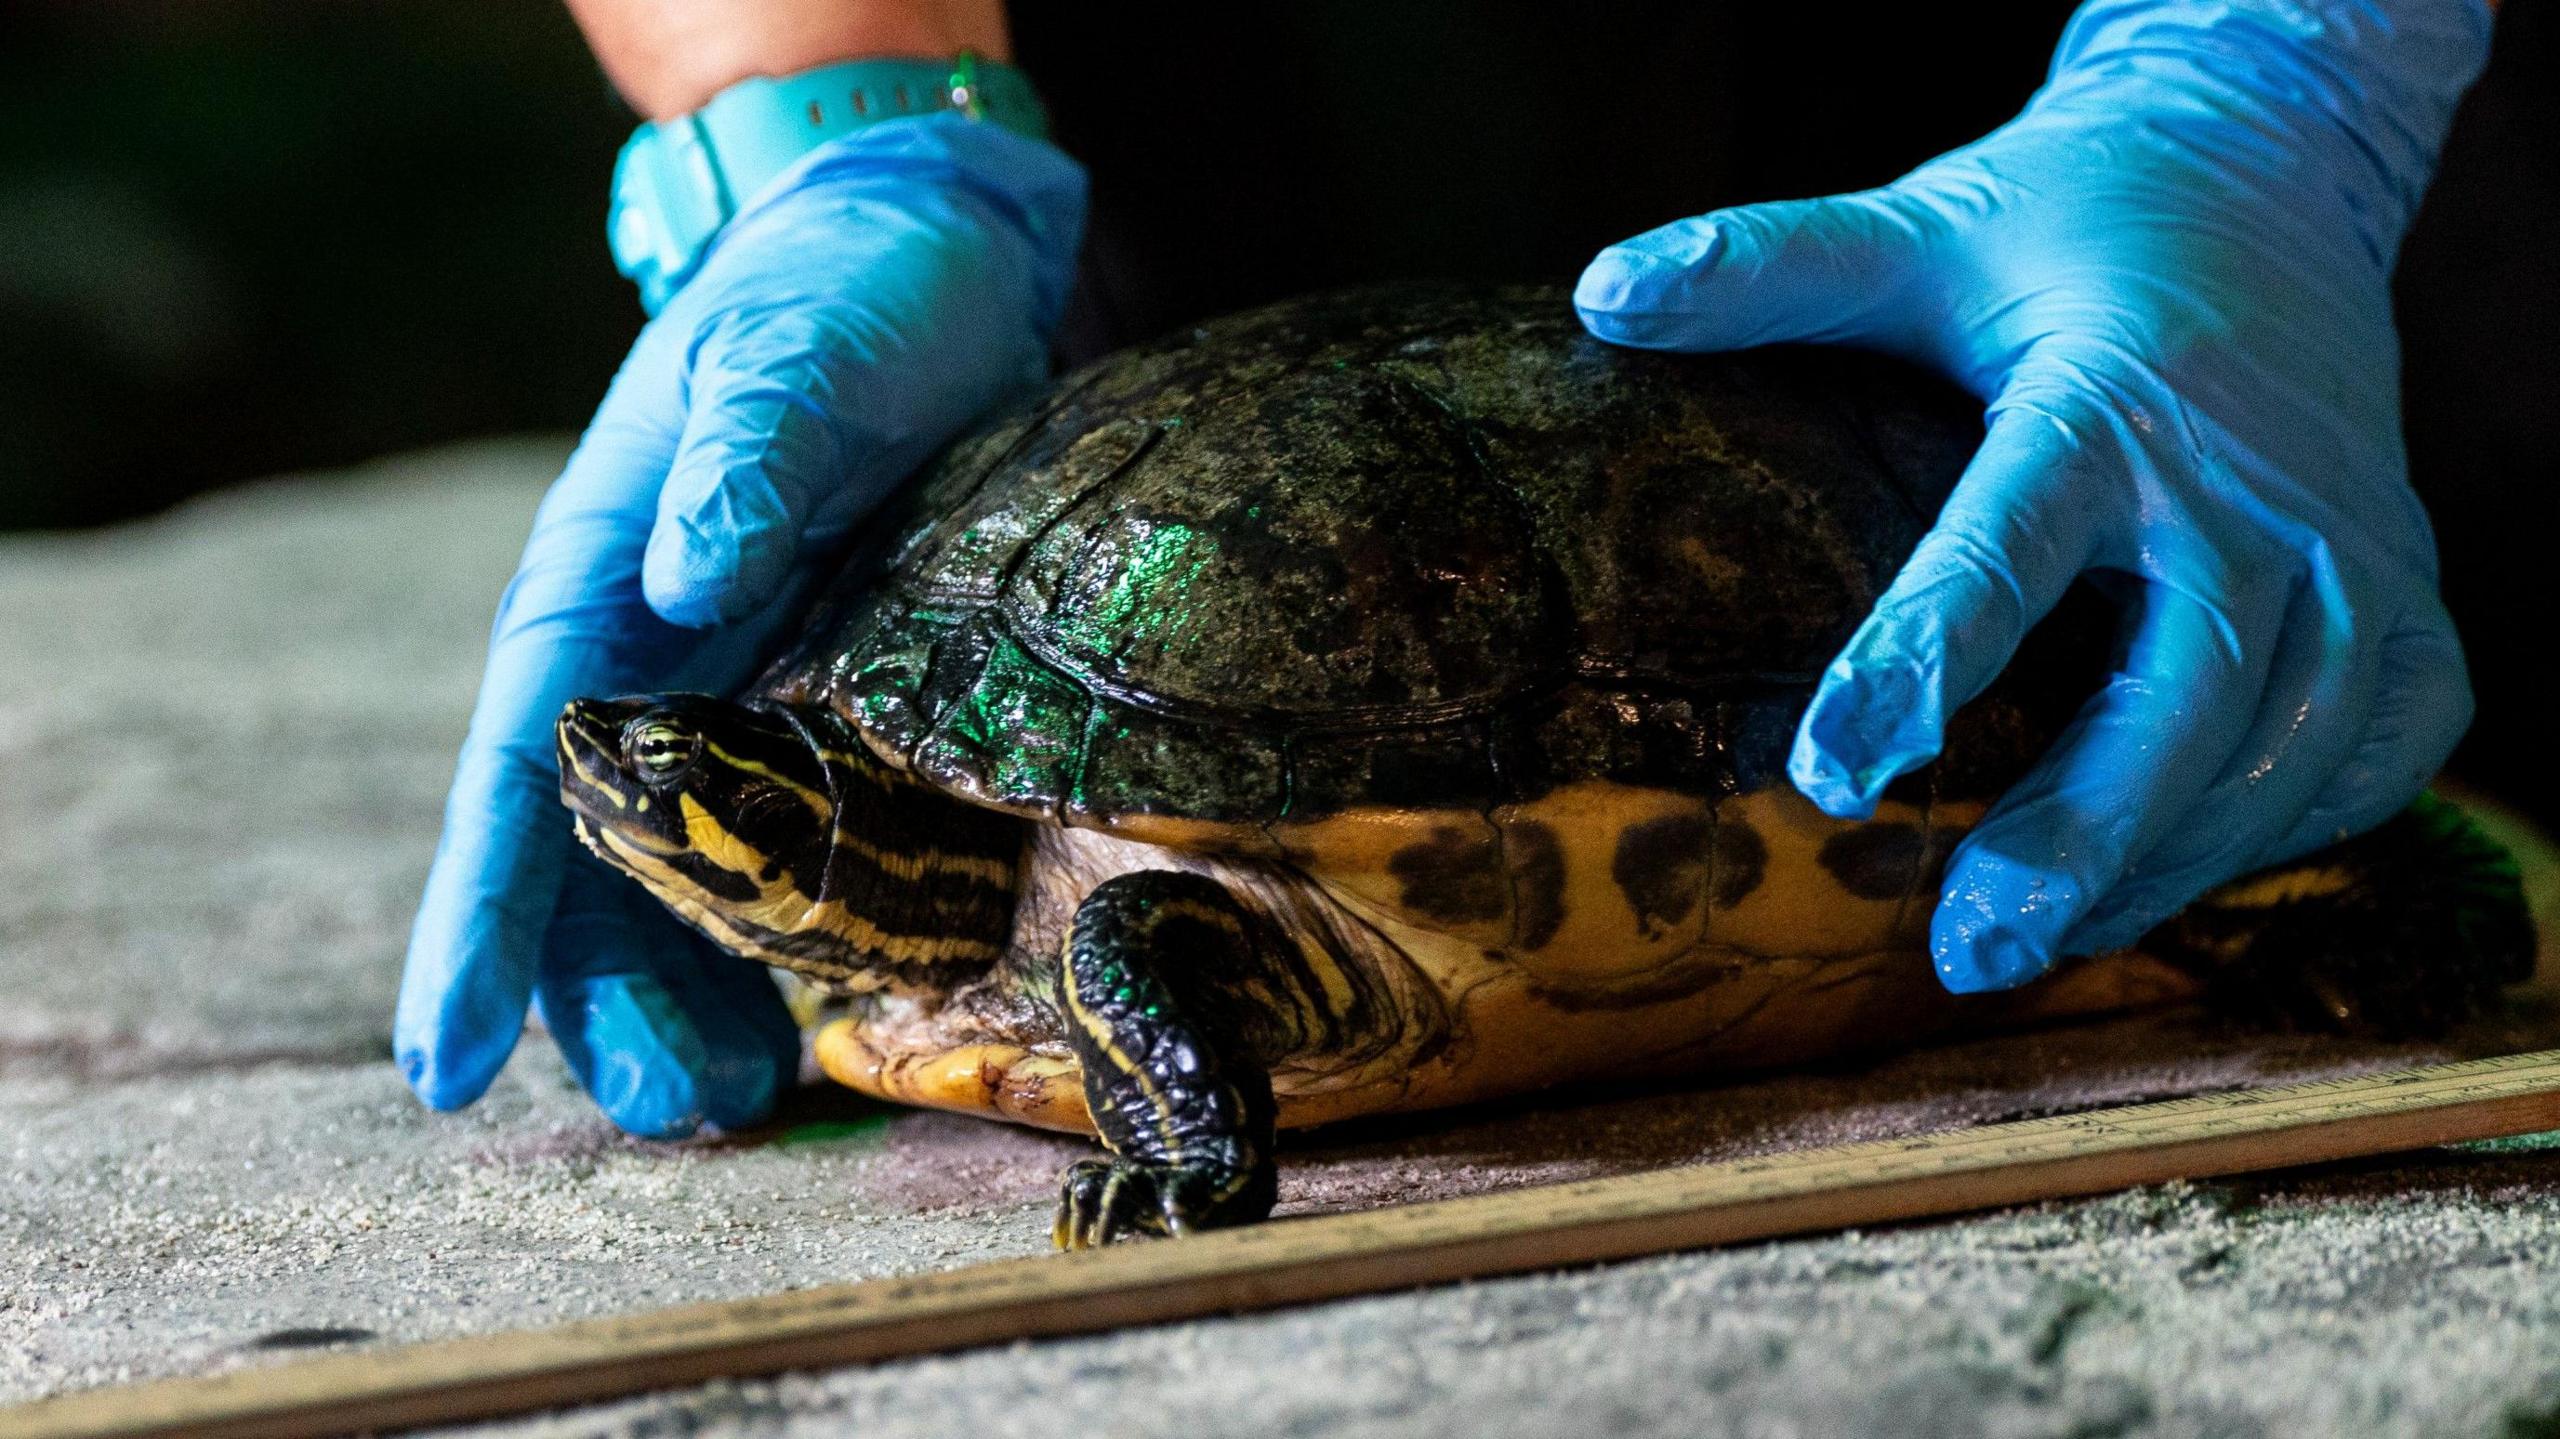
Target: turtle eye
{"type": "Point", "coordinates": [658, 751]}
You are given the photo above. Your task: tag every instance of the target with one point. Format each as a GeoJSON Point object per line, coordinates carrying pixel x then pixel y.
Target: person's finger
{"type": "Point", "coordinates": [2004, 549]}
{"type": "Point", "coordinates": [1840, 268]}
{"type": "Point", "coordinates": [2322, 705]}
{"type": "Point", "coordinates": [662, 1049]}
{"type": "Point", "coordinates": [760, 451]}
{"type": "Point", "coordinates": [2422, 707]}
{"type": "Point", "coordinates": [817, 387]}
{"type": "Point", "coordinates": [793, 433]}
{"type": "Point", "coordinates": [570, 623]}
{"type": "Point", "coordinates": [749, 1034]}
{"type": "Point", "coordinates": [2134, 761]}
{"type": "Point", "coordinates": [470, 965]}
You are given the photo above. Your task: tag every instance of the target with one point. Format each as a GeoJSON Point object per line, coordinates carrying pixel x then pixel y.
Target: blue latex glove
{"type": "Point", "coordinates": [2168, 278]}
{"type": "Point", "coordinates": [871, 301]}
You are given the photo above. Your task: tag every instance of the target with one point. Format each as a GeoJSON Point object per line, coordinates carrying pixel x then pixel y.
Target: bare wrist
{"type": "Point", "coordinates": [669, 56]}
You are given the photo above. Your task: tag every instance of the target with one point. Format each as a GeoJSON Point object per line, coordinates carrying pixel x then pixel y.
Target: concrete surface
{"type": "Point", "coordinates": [223, 737]}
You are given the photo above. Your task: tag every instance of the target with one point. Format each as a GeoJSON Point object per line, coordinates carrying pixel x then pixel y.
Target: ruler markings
{"type": "Point", "coordinates": [1299, 1261]}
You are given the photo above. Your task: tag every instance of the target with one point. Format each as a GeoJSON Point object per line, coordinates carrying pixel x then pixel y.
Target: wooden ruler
{"type": "Point", "coordinates": [1297, 1261]}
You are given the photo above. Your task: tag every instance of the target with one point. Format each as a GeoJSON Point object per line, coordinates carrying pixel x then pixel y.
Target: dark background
{"type": "Point", "coordinates": [239, 237]}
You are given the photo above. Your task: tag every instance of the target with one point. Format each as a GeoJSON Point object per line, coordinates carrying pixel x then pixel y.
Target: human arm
{"type": "Point", "coordinates": [669, 56]}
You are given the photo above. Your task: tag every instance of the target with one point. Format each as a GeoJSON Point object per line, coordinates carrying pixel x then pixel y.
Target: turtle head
{"type": "Point", "coordinates": [706, 802]}
{"type": "Point", "coordinates": [772, 830]}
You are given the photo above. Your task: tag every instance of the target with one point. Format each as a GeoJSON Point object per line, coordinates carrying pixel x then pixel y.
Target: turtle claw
{"type": "Point", "coordinates": [1104, 1200]}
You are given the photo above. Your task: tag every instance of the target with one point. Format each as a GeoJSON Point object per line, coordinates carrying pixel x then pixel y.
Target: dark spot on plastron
{"type": "Point", "coordinates": [1454, 876]}
{"type": "Point", "coordinates": [1660, 866]}
{"type": "Point", "coordinates": [1537, 881]}
{"type": "Point", "coordinates": [1741, 858]}
{"type": "Point", "coordinates": [1875, 861]}
{"type": "Point", "coordinates": [316, 1337]}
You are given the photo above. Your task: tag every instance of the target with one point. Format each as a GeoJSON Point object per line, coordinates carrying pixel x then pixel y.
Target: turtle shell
{"type": "Point", "coordinates": [1425, 547]}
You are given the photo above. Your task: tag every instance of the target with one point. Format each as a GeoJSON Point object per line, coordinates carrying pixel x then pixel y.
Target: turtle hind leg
{"type": "Point", "coordinates": [2402, 931]}
{"type": "Point", "coordinates": [1155, 989]}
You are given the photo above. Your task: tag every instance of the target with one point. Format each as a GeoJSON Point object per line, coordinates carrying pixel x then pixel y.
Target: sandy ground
{"type": "Point", "coordinates": [224, 736]}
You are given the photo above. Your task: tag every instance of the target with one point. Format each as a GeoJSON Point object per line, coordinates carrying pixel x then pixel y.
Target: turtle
{"type": "Point", "coordinates": [1380, 701]}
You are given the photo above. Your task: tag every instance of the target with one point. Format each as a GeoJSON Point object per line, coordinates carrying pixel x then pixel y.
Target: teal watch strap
{"type": "Point", "coordinates": [678, 181]}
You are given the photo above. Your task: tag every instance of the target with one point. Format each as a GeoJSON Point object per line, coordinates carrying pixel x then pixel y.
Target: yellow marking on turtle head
{"type": "Point", "coordinates": [819, 805]}
{"type": "Point", "coordinates": [578, 762]}
{"type": "Point", "coordinates": [712, 840]}
{"type": "Point", "coordinates": [636, 844]}
{"type": "Point", "coordinates": [782, 908]}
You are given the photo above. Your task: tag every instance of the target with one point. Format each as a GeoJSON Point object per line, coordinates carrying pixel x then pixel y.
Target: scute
{"type": "Point", "coordinates": [1326, 551]}
{"type": "Point", "coordinates": [1421, 547]}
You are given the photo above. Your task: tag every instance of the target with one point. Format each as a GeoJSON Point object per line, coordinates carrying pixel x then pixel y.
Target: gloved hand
{"type": "Point", "coordinates": [2168, 278]}
{"type": "Point", "coordinates": [871, 301]}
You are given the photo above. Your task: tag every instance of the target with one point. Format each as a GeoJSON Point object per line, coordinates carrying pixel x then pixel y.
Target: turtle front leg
{"type": "Point", "coordinates": [1155, 990]}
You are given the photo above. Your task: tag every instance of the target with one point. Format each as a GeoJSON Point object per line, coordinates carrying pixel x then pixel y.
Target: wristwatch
{"type": "Point", "coordinates": [679, 180]}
